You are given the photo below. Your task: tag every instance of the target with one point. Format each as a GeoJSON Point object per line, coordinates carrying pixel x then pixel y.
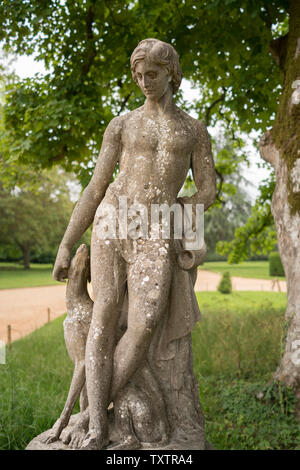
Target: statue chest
{"type": "Point", "coordinates": [165, 138]}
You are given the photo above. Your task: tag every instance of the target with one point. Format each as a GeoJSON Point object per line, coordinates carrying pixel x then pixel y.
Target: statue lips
{"type": "Point", "coordinates": [148, 92]}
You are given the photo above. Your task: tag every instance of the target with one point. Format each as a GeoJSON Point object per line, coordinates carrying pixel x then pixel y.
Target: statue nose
{"type": "Point", "coordinates": [145, 82]}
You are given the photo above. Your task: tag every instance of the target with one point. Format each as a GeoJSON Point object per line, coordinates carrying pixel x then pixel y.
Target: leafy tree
{"type": "Point", "coordinates": [35, 220]}
{"type": "Point", "coordinates": [232, 206]}
{"type": "Point", "coordinates": [257, 235]}
{"type": "Point", "coordinates": [244, 55]}
{"type": "Point", "coordinates": [86, 45]}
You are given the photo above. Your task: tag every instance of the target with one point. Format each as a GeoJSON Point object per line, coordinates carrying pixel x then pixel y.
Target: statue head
{"type": "Point", "coordinates": [160, 53]}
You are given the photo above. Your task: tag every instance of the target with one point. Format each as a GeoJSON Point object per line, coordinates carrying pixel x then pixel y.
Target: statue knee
{"type": "Point", "coordinates": [142, 333]}
{"type": "Point", "coordinates": [105, 311]}
{"type": "Point", "coordinates": [150, 322]}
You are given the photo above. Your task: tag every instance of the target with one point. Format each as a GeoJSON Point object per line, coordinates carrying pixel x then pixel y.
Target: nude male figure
{"type": "Point", "coordinates": [155, 146]}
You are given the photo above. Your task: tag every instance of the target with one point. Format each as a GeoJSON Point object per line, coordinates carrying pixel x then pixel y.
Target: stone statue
{"type": "Point", "coordinates": [135, 375]}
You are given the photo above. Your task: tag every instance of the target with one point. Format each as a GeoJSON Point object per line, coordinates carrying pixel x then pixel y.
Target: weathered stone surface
{"type": "Point", "coordinates": [135, 374]}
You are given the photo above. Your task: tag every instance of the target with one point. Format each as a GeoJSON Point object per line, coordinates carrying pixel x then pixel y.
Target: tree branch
{"type": "Point", "coordinates": [209, 109]}
{"type": "Point", "coordinates": [221, 178]}
{"type": "Point", "coordinates": [278, 49]}
{"type": "Point", "coordinates": [124, 102]}
{"type": "Point", "coordinates": [89, 33]}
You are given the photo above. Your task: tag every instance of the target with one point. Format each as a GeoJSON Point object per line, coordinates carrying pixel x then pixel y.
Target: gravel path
{"type": "Point", "coordinates": [26, 309]}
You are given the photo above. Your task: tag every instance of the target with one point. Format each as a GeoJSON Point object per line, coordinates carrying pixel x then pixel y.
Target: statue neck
{"type": "Point", "coordinates": [165, 105]}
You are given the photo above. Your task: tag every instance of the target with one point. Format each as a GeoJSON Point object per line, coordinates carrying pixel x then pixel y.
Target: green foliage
{"type": "Point", "coordinates": [35, 220]}
{"type": "Point", "coordinates": [258, 235]}
{"type": "Point", "coordinates": [225, 286]}
{"type": "Point", "coordinates": [85, 46]}
{"type": "Point", "coordinates": [260, 416]}
{"type": "Point", "coordinates": [275, 265]}
{"type": "Point", "coordinates": [232, 207]}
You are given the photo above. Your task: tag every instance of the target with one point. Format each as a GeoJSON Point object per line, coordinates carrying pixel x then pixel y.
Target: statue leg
{"type": "Point", "coordinates": [83, 399]}
{"type": "Point", "coordinates": [149, 279]}
{"type": "Point", "coordinates": [108, 271]}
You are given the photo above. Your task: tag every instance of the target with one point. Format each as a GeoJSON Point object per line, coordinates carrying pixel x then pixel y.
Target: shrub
{"type": "Point", "coordinates": [225, 286]}
{"type": "Point", "coordinates": [275, 265]}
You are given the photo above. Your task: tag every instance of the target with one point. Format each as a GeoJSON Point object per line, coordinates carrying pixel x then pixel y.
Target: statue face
{"type": "Point", "coordinates": [153, 79]}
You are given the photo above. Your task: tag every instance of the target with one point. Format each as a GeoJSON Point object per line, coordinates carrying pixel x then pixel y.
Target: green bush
{"type": "Point", "coordinates": [225, 286]}
{"type": "Point", "coordinates": [213, 256]}
{"type": "Point", "coordinates": [275, 265]}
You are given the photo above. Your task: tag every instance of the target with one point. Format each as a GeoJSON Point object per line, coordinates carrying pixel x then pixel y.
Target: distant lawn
{"type": "Point", "coordinates": [13, 275]}
{"type": "Point", "coordinates": [241, 301]}
{"type": "Point", "coordinates": [251, 269]}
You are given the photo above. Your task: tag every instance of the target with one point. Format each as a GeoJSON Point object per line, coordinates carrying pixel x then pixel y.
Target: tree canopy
{"type": "Point", "coordinates": [35, 220]}
{"type": "Point", "coordinates": [224, 46]}
{"type": "Point", "coordinates": [86, 46]}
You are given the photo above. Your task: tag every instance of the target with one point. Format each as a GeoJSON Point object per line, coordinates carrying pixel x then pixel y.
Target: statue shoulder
{"type": "Point", "coordinates": [199, 128]}
{"type": "Point", "coordinates": [118, 122]}
{"type": "Point", "coordinates": [115, 125]}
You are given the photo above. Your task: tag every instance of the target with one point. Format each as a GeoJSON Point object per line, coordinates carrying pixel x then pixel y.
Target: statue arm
{"type": "Point", "coordinates": [85, 209]}
{"type": "Point", "coordinates": [203, 170]}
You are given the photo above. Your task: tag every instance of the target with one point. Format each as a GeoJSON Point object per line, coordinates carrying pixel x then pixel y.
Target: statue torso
{"type": "Point", "coordinates": [155, 156]}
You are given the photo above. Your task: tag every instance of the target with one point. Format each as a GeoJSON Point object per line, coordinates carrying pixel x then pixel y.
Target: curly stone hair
{"type": "Point", "coordinates": [160, 53]}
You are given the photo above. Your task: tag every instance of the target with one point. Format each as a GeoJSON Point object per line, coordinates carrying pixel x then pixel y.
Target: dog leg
{"type": "Point", "coordinates": [77, 384]}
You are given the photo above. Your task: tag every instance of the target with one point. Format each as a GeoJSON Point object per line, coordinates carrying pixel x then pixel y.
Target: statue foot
{"type": "Point", "coordinates": [55, 432]}
{"type": "Point", "coordinates": [52, 437]}
{"type": "Point", "coordinates": [94, 441]}
{"type": "Point", "coordinates": [74, 434]}
{"type": "Point", "coordinates": [77, 438]}
{"type": "Point", "coordinates": [131, 443]}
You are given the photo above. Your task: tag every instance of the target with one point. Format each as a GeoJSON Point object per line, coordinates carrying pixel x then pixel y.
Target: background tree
{"type": "Point", "coordinates": [256, 235]}
{"type": "Point", "coordinates": [232, 206]}
{"type": "Point", "coordinates": [244, 56]}
{"type": "Point", "coordinates": [35, 220]}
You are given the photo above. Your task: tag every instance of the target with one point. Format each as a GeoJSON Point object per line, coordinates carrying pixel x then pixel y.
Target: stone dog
{"type": "Point", "coordinates": [139, 411]}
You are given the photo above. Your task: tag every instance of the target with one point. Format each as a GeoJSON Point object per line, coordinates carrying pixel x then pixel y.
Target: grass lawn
{"type": "Point", "coordinates": [235, 353]}
{"type": "Point", "coordinates": [254, 269]}
{"type": "Point", "coordinates": [241, 301]}
{"type": "Point", "coordinates": [13, 275]}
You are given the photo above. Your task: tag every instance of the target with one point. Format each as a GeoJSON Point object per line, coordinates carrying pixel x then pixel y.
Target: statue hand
{"type": "Point", "coordinates": [62, 264]}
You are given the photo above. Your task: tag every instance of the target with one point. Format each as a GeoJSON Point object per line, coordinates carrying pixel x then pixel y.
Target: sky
{"type": "Point", "coordinates": [26, 66]}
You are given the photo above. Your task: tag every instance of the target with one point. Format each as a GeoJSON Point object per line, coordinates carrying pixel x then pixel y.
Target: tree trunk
{"type": "Point", "coordinates": [281, 147]}
{"type": "Point", "coordinates": [26, 256]}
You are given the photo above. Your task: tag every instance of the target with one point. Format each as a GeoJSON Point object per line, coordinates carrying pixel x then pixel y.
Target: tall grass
{"type": "Point", "coordinates": [238, 345]}
{"type": "Point", "coordinates": [235, 355]}
{"type": "Point", "coordinates": [33, 385]}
